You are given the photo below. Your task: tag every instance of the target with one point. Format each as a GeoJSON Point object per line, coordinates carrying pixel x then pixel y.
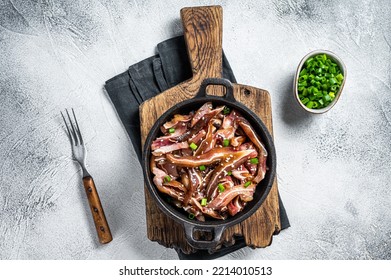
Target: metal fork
{"type": "Point", "coordinates": [79, 153]}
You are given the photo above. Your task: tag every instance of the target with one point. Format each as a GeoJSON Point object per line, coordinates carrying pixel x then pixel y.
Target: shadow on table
{"type": "Point", "coordinates": [292, 114]}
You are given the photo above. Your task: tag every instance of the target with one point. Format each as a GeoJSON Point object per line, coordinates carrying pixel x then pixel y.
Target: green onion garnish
{"type": "Point", "coordinates": [167, 179]}
{"type": "Point", "coordinates": [248, 183]}
{"type": "Point", "coordinates": [319, 81]}
{"type": "Point", "coordinates": [204, 201]}
{"type": "Point", "coordinates": [226, 110]}
{"type": "Point", "coordinates": [221, 187]}
{"type": "Point", "coordinates": [171, 130]}
{"type": "Point", "coordinates": [254, 161]}
{"type": "Point", "coordinates": [191, 216]}
{"type": "Point", "coordinates": [202, 167]}
{"type": "Point", "coordinates": [229, 173]}
{"type": "Point", "coordinates": [226, 142]}
{"type": "Point", "coordinates": [193, 146]}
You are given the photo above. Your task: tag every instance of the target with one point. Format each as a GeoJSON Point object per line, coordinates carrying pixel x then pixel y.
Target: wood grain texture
{"type": "Point", "coordinates": [203, 34]}
{"type": "Point", "coordinates": [101, 225]}
{"type": "Point", "coordinates": [203, 29]}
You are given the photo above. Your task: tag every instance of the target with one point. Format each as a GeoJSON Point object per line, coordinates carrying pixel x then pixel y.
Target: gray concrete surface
{"type": "Point", "coordinates": [333, 170]}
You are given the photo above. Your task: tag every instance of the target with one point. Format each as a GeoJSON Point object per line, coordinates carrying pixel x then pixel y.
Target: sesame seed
{"type": "Point", "coordinates": [198, 156]}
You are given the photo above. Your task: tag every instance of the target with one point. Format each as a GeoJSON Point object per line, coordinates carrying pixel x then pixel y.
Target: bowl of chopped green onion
{"type": "Point", "coordinates": [319, 80]}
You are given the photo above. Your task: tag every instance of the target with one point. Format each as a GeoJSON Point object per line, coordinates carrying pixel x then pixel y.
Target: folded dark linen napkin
{"type": "Point", "coordinates": [149, 77]}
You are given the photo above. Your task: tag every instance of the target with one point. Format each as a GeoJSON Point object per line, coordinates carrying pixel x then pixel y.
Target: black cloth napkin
{"type": "Point", "coordinates": [149, 77]}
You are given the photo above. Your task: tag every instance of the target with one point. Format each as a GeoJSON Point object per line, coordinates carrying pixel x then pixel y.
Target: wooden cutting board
{"type": "Point", "coordinates": [203, 35]}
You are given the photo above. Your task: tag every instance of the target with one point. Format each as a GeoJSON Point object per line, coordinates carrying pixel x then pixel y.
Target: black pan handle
{"type": "Point", "coordinates": [203, 244]}
{"type": "Point", "coordinates": [229, 94]}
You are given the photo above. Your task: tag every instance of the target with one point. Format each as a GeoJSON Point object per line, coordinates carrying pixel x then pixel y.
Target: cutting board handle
{"type": "Point", "coordinates": [203, 28]}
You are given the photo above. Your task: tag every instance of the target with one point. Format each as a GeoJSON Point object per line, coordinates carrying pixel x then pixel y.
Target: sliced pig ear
{"type": "Point", "coordinates": [235, 206]}
{"type": "Point", "coordinates": [177, 119]}
{"type": "Point", "coordinates": [227, 196]}
{"type": "Point", "coordinates": [206, 108]}
{"type": "Point", "coordinates": [170, 148]}
{"type": "Point", "coordinates": [252, 135]}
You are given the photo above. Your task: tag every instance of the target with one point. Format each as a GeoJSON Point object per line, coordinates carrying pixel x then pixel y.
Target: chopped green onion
{"type": "Point", "coordinates": [226, 142]}
{"type": "Point", "coordinates": [305, 100]}
{"type": "Point", "coordinates": [193, 146]}
{"type": "Point", "coordinates": [229, 173]}
{"type": "Point", "coordinates": [167, 179]}
{"type": "Point", "coordinates": [248, 183]}
{"type": "Point", "coordinates": [339, 77]}
{"type": "Point", "coordinates": [319, 81]}
{"type": "Point", "coordinates": [204, 201]}
{"type": "Point", "coordinates": [191, 216]}
{"type": "Point", "coordinates": [202, 167]}
{"type": "Point", "coordinates": [326, 98]}
{"type": "Point", "coordinates": [254, 161]}
{"type": "Point", "coordinates": [171, 130]}
{"type": "Point", "coordinates": [221, 187]}
{"type": "Point", "coordinates": [226, 110]}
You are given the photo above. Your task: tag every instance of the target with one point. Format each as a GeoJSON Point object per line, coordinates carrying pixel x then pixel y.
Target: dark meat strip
{"type": "Point", "coordinates": [206, 108]}
{"type": "Point", "coordinates": [158, 180]}
{"type": "Point", "coordinates": [208, 143]}
{"type": "Point", "coordinates": [170, 148]}
{"type": "Point", "coordinates": [177, 119]}
{"type": "Point", "coordinates": [233, 161]}
{"type": "Point", "coordinates": [262, 153]}
{"type": "Point", "coordinates": [199, 125]}
{"type": "Point", "coordinates": [237, 141]}
{"type": "Point", "coordinates": [208, 158]}
{"type": "Point", "coordinates": [175, 184]}
{"type": "Point", "coordinates": [195, 181]}
{"type": "Point", "coordinates": [225, 197]}
{"type": "Point", "coordinates": [235, 206]}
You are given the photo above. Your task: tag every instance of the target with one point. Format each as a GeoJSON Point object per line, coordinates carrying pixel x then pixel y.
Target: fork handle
{"type": "Point", "coordinates": [101, 225]}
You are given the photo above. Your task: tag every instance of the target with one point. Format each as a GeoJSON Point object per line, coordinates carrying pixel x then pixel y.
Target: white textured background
{"type": "Point", "coordinates": [333, 170]}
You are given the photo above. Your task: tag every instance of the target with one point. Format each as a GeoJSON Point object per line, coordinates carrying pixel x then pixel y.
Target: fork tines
{"type": "Point", "coordinates": [73, 130]}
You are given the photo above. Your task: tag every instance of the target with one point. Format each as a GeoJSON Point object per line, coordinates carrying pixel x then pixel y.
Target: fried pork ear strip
{"type": "Point", "coordinates": [233, 161]}
{"type": "Point", "coordinates": [224, 198]}
{"type": "Point", "coordinates": [208, 158]}
{"type": "Point", "coordinates": [169, 148]}
{"type": "Point", "coordinates": [206, 108]}
{"type": "Point", "coordinates": [262, 153]}
{"type": "Point", "coordinates": [177, 185]}
{"type": "Point", "coordinates": [195, 181]}
{"type": "Point", "coordinates": [175, 120]}
{"type": "Point", "coordinates": [235, 206]}
{"type": "Point", "coordinates": [209, 142]}
{"type": "Point", "coordinates": [199, 124]}
{"type": "Point", "coordinates": [158, 180]}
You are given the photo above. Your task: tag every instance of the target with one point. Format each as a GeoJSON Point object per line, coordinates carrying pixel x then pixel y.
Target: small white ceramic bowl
{"type": "Point", "coordinates": [338, 94]}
